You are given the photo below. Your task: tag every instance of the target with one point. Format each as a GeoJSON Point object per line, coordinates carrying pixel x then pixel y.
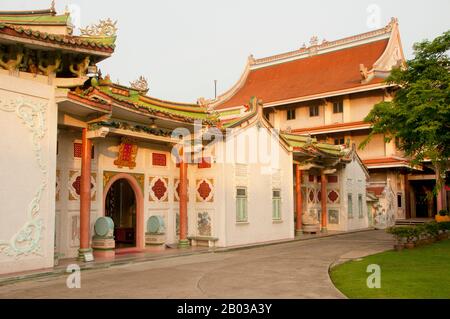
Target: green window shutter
{"type": "Point", "coordinates": [350, 206]}
{"type": "Point", "coordinates": [241, 204]}
{"type": "Point", "coordinates": [360, 206]}
{"type": "Point", "coordinates": [276, 204]}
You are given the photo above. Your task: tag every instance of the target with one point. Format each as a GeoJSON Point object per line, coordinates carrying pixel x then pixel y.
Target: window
{"type": "Point", "coordinates": [339, 141]}
{"type": "Point", "coordinates": [399, 200]}
{"type": "Point", "coordinates": [314, 110]}
{"type": "Point", "coordinates": [360, 206]}
{"type": "Point", "coordinates": [350, 206]}
{"type": "Point", "coordinates": [241, 204]}
{"type": "Point", "coordinates": [291, 114]}
{"type": "Point", "coordinates": [338, 107]}
{"type": "Point", "coordinates": [276, 204]}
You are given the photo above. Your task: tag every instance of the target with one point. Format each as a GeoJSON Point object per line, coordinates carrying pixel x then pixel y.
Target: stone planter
{"type": "Point", "coordinates": [409, 245]}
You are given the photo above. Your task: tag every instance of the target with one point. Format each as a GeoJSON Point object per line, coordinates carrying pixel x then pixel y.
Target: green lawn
{"type": "Point", "coordinates": [422, 272]}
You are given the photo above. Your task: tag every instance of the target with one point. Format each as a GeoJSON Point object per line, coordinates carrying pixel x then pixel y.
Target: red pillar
{"type": "Point", "coordinates": [299, 199]}
{"type": "Point", "coordinates": [183, 242]}
{"type": "Point", "coordinates": [323, 191]}
{"type": "Point", "coordinates": [85, 195]}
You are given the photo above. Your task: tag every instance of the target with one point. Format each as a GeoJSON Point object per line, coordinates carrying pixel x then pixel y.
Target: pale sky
{"type": "Point", "coordinates": [182, 46]}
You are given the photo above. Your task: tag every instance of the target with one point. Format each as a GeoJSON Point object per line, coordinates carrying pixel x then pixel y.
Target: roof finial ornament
{"type": "Point", "coordinates": [314, 40]}
{"type": "Point", "coordinates": [52, 6]}
{"type": "Point", "coordinates": [308, 140]}
{"type": "Point", "coordinates": [105, 28]}
{"type": "Point", "coordinates": [141, 84]}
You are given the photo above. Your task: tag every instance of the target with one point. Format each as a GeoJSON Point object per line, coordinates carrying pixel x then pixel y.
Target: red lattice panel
{"type": "Point", "coordinates": [332, 179]}
{"type": "Point", "coordinates": [77, 149]}
{"type": "Point", "coordinates": [159, 159]}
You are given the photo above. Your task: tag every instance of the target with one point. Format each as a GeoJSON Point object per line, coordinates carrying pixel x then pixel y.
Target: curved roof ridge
{"type": "Point", "coordinates": [328, 44]}
{"type": "Point", "coordinates": [193, 107]}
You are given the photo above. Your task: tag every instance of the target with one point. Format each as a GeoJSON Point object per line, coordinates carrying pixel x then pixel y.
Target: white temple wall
{"type": "Point", "coordinates": [28, 117]}
{"type": "Point", "coordinates": [355, 184]}
{"type": "Point", "coordinates": [259, 179]}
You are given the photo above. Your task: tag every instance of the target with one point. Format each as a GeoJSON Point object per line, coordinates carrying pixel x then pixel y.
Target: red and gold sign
{"type": "Point", "coordinates": [127, 153]}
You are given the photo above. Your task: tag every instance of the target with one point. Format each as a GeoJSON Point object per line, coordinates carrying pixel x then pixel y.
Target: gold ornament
{"type": "Point", "coordinates": [105, 28]}
{"type": "Point", "coordinates": [141, 84]}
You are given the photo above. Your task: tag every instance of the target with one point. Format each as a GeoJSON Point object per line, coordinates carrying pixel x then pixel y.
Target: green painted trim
{"type": "Point", "coordinates": [183, 243]}
{"type": "Point", "coordinates": [103, 249]}
{"type": "Point", "coordinates": [35, 20]}
{"type": "Point", "coordinates": [83, 252]}
{"type": "Point", "coordinates": [203, 238]}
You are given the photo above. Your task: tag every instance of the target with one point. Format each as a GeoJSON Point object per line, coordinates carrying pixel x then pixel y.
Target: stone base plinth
{"type": "Point", "coordinates": [155, 239]}
{"type": "Point", "coordinates": [311, 228]}
{"type": "Point", "coordinates": [104, 247]}
{"type": "Point", "coordinates": [104, 253]}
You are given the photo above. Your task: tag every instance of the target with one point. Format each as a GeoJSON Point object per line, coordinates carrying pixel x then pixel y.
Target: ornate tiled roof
{"type": "Point", "coordinates": [95, 43]}
{"type": "Point", "coordinates": [112, 94]}
{"type": "Point", "coordinates": [359, 62]}
{"type": "Point", "coordinates": [307, 144]}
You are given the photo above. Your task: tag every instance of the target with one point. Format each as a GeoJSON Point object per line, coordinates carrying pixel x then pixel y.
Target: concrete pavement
{"type": "Point", "coordinates": [289, 270]}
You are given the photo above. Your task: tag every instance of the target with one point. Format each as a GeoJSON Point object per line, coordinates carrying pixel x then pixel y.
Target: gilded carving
{"type": "Point", "coordinates": [105, 28]}
{"type": "Point", "coordinates": [13, 58]}
{"type": "Point", "coordinates": [79, 69]}
{"type": "Point", "coordinates": [141, 84]}
{"type": "Point", "coordinates": [107, 175]}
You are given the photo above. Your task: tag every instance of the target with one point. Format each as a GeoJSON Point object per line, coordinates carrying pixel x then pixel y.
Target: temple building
{"type": "Point", "coordinates": [96, 169]}
{"type": "Point", "coordinates": [325, 90]}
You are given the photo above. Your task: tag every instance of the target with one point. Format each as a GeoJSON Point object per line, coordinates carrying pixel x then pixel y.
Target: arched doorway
{"type": "Point", "coordinates": [120, 205]}
{"type": "Point", "coordinates": [123, 202]}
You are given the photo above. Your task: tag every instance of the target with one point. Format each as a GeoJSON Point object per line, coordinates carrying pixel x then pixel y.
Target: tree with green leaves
{"type": "Point", "coordinates": [419, 114]}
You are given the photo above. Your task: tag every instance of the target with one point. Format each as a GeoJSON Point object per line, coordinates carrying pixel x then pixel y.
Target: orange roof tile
{"type": "Point", "coordinates": [321, 73]}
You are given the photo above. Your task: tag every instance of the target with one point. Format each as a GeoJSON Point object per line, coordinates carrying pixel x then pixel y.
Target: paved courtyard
{"type": "Point", "coordinates": [290, 270]}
